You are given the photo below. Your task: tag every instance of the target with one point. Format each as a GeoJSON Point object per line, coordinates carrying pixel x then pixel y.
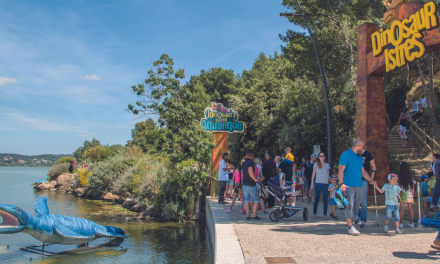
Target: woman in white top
{"type": "Point", "coordinates": [321, 172]}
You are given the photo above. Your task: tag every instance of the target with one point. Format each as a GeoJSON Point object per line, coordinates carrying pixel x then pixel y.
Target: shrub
{"type": "Point", "coordinates": [173, 210]}
{"type": "Point", "coordinates": [56, 170]}
{"type": "Point", "coordinates": [65, 159]}
{"type": "Point", "coordinates": [83, 178]}
{"type": "Point", "coordinates": [106, 173]}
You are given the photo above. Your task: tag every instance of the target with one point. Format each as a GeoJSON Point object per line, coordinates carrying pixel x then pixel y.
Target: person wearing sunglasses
{"type": "Point", "coordinates": [321, 172]}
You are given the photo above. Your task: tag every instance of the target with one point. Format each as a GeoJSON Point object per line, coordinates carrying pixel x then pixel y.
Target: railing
{"type": "Point", "coordinates": [423, 138]}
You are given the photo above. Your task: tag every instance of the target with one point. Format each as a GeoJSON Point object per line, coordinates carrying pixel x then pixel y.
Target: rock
{"type": "Point", "coordinates": [138, 207]}
{"type": "Point", "coordinates": [44, 186]}
{"type": "Point", "coordinates": [53, 189]}
{"type": "Point", "coordinates": [79, 192]}
{"type": "Point", "coordinates": [130, 202]}
{"type": "Point", "coordinates": [68, 189]}
{"type": "Point", "coordinates": [128, 218]}
{"type": "Point", "coordinates": [64, 181]}
{"type": "Point", "coordinates": [110, 197]}
{"type": "Point", "coordinates": [125, 195]}
{"type": "Point", "coordinates": [144, 214]}
{"type": "Point", "coordinates": [53, 183]}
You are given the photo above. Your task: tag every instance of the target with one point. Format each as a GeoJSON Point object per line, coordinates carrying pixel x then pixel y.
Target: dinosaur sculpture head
{"type": "Point", "coordinates": [12, 219]}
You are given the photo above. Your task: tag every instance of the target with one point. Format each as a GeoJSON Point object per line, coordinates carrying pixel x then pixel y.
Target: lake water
{"type": "Point", "coordinates": [147, 242]}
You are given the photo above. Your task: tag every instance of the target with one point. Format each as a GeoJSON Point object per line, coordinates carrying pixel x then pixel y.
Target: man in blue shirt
{"type": "Point", "coordinates": [351, 171]}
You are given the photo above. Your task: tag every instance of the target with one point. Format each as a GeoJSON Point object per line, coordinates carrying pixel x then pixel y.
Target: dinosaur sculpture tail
{"type": "Point", "coordinates": [115, 230]}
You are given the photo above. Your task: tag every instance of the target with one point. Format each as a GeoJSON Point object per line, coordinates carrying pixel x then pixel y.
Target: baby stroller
{"type": "Point", "coordinates": [282, 195]}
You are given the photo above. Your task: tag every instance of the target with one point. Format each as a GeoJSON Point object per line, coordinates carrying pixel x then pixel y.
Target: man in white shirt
{"type": "Point", "coordinates": [223, 177]}
{"type": "Point", "coordinates": [423, 101]}
{"type": "Point", "coordinates": [415, 105]}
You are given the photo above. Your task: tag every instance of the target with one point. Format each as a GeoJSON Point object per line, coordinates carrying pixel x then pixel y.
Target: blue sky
{"type": "Point", "coordinates": [66, 67]}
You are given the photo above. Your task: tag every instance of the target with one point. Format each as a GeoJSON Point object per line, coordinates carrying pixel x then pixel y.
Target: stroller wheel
{"type": "Point", "coordinates": [279, 213]}
{"type": "Point", "coordinates": [305, 215]}
{"type": "Point", "coordinates": [274, 216]}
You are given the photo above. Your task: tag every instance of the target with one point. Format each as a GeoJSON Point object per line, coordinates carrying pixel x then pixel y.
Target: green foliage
{"type": "Point", "coordinates": [57, 170]}
{"type": "Point", "coordinates": [180, 136]}
{"type": "Point", "coordinates": [65, 159]}
{"type": "Point", "coordinates": [97, 153]}
{"type": "Point", "coordinates": [79, 152]}
{"type": "Point", "coordinates": [145, 135]}
{"type": "Point", "coordinates": [106, 173]}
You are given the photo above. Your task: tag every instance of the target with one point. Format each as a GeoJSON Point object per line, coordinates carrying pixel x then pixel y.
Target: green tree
{"type": "Point", "coordinates": [162, 94]}
{"type": "Point", "coordinates": [78, 154]}
{"type": "Point", "coordinates": [146, 135]}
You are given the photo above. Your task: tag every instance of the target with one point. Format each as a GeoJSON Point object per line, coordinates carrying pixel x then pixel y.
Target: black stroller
{"type": "Point", "coordinates": [282, 195]}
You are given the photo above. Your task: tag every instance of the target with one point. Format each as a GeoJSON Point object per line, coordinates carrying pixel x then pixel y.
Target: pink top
{"type": "Point", "coordinates": [237, 177]}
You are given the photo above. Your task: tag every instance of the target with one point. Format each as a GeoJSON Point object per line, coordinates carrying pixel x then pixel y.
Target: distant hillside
{"type": "Point", "coordinates": [44, 160]}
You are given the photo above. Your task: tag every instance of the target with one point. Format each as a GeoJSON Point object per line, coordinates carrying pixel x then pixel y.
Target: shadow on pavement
{"type": "Point", "coordinates": [331, 229]}
{"type": "Point", "coordinates": [431, 255]}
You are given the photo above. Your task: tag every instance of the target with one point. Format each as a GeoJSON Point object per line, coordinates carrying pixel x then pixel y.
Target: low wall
{"type": "Point", "coordinates": [225, 244]}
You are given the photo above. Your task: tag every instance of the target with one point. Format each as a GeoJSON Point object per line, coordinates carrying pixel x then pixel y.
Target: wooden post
{"type": "Point", "coordinates": [370, 107]}
{"type": "Point", "coordinates": [221, 146]}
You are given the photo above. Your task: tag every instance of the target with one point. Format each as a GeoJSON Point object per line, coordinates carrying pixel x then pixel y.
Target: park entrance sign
{"type": "Point", "coordinates": [413, 32]}
{"type": "Point", "coordinates": [220, 121]}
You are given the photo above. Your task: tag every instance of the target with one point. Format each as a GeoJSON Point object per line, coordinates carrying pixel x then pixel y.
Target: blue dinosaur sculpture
{"type": "Point", "coordinates": [54, 229]}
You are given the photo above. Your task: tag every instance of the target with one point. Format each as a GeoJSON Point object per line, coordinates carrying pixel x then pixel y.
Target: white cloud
{"type": "Point", "coordinates": [92, 77]}
{"type": "Point", "coordinates": [43, 125]}
{"type": "Point", "coordinates": [7, 80]}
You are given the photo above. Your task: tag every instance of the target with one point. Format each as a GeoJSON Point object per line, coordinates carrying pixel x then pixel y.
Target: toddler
{"type": "Point", "coordinates": [332, 188]}
{"type": "Point", "coordinates": [391, 201]}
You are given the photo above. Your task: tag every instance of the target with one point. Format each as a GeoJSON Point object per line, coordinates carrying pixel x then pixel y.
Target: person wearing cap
{"type": "Point", "coordinates": [307, 172]}
{"type": "Point", "coordinates": [350, 174]}
{"type": "Point", "coordinates": [392, 191]}
{"type": "Point", "coordinates": [332, 189]}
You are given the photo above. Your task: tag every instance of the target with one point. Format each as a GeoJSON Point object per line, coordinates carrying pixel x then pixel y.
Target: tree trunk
{"type": "Point", "coordinates": [428, 101]}
{"type": "Point", "coordinates": [405, 73]}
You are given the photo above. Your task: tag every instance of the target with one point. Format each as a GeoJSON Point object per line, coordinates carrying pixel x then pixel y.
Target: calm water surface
{"type": "Point", "coordinates": [148, 242]}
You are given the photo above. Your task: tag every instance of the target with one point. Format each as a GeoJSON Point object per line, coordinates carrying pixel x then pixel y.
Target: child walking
{"type": "Point", "coordinates": [332, 188]}
{"type": "Point", "coordinates": [406, 182]}
{"type": "Point", "coordinates": [238, 181]}
{"type": "Point", "coordinates": [391, 194]}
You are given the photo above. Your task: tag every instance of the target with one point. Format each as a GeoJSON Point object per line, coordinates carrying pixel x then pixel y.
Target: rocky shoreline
{"type": "Point", "coordinates": [66, 183]}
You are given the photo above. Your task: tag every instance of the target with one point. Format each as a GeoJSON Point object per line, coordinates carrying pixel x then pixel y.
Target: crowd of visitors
{"type": "Point", "coordinates": [312, 177]}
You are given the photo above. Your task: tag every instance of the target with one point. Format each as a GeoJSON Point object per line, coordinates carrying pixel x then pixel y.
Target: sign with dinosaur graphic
{"type": "Point", "coordinates": [403, 41]}
{"type": "Point", "coordinates": [220, 119]}
{"type": "Point", "coordinates": [414, 31]}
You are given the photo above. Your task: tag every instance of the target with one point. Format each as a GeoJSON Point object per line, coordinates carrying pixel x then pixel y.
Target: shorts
{"type": "Point", "coordinates": [231, 181]}
{"type": "Point", "coordinates": [429, 199]}
{"type": "Point", "coordinates": [250, 191]}
{"type": "Point", "coordinates": [332, 201]}
{"type": "Point", "coordinates": [406, 197]}
{"type": "Point", "coordinates": [392, 209]}
{"type": "Point", "coordinates": [238, 190]}
{"type": "Point", "coordinates": [307, 185]}
{"type": "Point", "coordinates": [289, 184]}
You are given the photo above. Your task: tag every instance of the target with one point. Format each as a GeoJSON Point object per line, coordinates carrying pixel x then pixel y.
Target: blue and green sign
{"type": "Point", "coordinates": [220, 119]}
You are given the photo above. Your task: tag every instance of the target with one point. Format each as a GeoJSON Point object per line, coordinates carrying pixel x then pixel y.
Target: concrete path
{"type": "Point", "coordinates": [327, 241]}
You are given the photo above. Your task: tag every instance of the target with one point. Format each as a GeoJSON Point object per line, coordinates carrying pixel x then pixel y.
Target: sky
{"type": "Point", "coordinates": [66, 67]}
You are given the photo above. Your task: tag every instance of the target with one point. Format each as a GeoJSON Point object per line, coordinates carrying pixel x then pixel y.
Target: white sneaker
{"type": "Point", "coordinates": [411, 225]}
{"type": "Point", "coordinates": [353, 231]}
{"type": "Point", "coordinates": [398, 231]}
{"type": "Point", "coordinates": [400, 225]}
{"type": "Point", "coordinates": [356, 220]}
{"type": "Point", "coordinates": [385, 229]}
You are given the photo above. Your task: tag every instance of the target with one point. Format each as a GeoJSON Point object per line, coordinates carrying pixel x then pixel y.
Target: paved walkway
{"type": "Point", "coordinates": [327, 241]}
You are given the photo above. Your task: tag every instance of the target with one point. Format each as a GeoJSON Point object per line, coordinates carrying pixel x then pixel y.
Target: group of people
{"type": "Point", "coordinates": [356, 171]}
{"type": "Point", "coordinates": [417, 109]}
